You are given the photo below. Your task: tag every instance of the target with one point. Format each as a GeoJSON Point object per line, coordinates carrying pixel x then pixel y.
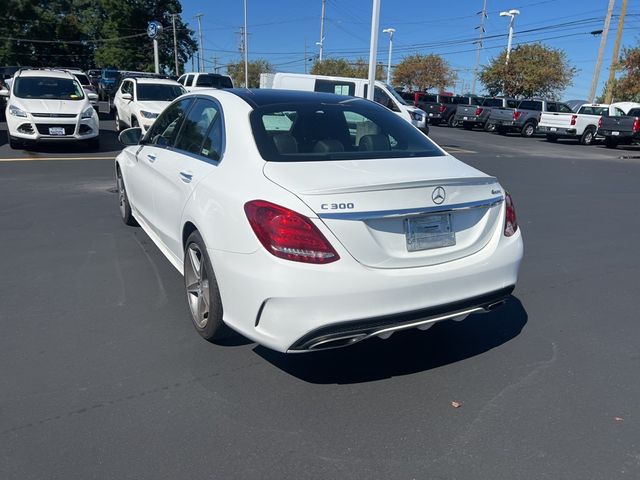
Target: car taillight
{"type": "Point", "coordinates": [573, 119]}
{"type": "Point", "coordinates": [516, 115]}
{"type": "Point", "coordinates": [288, 234]}
{"type": "Point", "coordinates": [636, 125]}
{"type": "Point", "coordinates": [478, 111]}
{"type": "Point", "coordinates": [441, 109]}
{"type": "Point", "coordinates": [510, 221]}
{"type": "Point", "coordinates": [600, 122]}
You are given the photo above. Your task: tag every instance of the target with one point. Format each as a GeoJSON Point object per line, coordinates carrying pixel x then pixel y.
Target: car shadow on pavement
{"type": "Point", "coordinates": [407, 352]}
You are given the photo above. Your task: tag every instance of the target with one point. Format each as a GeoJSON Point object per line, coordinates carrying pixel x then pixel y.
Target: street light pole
{"type": "Point", "coordinates": [390, 31]}
{"type": "Point", "coordinates": [246, 49]}
{"type": "Point", "coordinates": [512, 16]}
{"type": "Point", "coordinates": [373, 47]}
{"type": "Point", "coordinates": [321, 42]}
{"type": "Point", "coordinates": [201, 53]}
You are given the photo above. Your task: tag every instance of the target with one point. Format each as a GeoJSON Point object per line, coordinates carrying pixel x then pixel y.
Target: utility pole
{"type": "Point", "coordinates": [512, 17]}
{"type": "Point", "coordinates": [305, 55]}
{"type": "Point", "coordinates": [215, 64]}
{"type": "Point", "coordinates": [616, 50]}
{"type": "Point", "coordinates": [476, 70]}
{"type": "Point", "coordinates": [321, 42]}
{"type": "Point", "coordinates": [246, 49]}
{"type": "Point", "coordinates": [373, 47]}
{"type": "Point", "coordinates": [175, 42]}
{"type": "Point", "coordinates": [201, 55]}
{"type": "Point", "coordinates": [603, 44]}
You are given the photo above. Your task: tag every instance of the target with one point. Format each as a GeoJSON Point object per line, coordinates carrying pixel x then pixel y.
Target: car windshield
{"type": "Point", "coordinates": [158, 92]}
{"type": "Point", "coordinates": [110, 74]}
{"type": "Point", "coordinates": [82, 78]}
{"type": "Point", "coordinates": [352, 129]}
{"type": "Point", "coordinates": [49, 88]}
{"type": "Point", "coordinates": [396, 95]}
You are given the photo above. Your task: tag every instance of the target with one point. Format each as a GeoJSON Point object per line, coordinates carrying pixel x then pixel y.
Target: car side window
{"type": "Point", "coordinates": [381, 97]}
{"type": "Point", "coordinates": [194, 130]}
{"type": "Point", "coordinates": [181, 80]}
{"type": "Point", "coordinates": [164, 130]}
{"type": "Point", "coordinates": [564, 108]}
{"type": "Point", "coordinates": [125, 87]}
{"type": "Point", "coordinates": [552, 107]}
{"type": "Point", "coordinates": [213, 142]}
{"type": "Point", "coordinates": [618, 112]}
{"type": "Point", "coordinates": [188, 81]}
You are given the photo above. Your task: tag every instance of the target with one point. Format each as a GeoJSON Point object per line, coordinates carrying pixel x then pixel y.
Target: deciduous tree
{"type": "Point", "coordinates": [626, 88]}
{"type": "Point", "coordinates": [534, 70]}
{"type": "Point", "coordinates": [341, 67]}
{"type": "Point", "coordinates": [423, 72]}
{"type": "Point", "coordinates": [256, 67]}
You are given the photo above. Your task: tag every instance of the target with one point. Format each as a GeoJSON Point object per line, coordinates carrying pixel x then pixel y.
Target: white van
{"type": "Point", "coordinates": [355, 87]}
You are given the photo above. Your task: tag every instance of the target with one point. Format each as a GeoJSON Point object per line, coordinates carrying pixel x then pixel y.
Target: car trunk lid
{"type": "Point", "coordinates": [397, 213]}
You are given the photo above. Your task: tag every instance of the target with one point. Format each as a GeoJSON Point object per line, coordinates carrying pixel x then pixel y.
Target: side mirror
{"type": "Point", "coordinates": [130, 136]}
{"type": "Point", "coordinates": [127, 96]}
{"type": "Point", "coordinates": [4, 92]}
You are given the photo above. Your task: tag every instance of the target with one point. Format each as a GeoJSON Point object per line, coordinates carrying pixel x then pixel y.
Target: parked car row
{"type": "Point", "coordinates": [617, 123]}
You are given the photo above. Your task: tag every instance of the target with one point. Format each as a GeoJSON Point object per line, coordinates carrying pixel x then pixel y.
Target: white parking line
{"type": "Point", "coordinates": [32, 159]}
{"type": "Point", "coordinates": [458, 150]}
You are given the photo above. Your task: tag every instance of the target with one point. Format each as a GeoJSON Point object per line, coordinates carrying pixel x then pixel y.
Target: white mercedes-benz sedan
{"type": "Point", "coordinates": [308, 221]}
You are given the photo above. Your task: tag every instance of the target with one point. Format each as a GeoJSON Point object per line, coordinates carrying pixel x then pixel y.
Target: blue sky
{"type": "Point", "coordinates": [278, 30]}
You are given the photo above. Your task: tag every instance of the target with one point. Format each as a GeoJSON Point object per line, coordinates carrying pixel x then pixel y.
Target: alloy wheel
{"type": "Point", "coordinates": [197, 285]}
{"type": "Point", "coordinates": [122, 197]}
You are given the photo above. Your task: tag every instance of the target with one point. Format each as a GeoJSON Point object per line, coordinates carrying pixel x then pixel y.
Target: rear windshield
{"type": "Point", "coordinates": [352, 129]}
{"type": "Point", "coordinates": [158, 92]}
{"type": "Point", "coordinates": [82, 78]}
{"type": "Point", "coordinates": [427, 98]}
{"type": "Point", "coordinates": [530, 105]}
{"type": "Point", "coordinates": [586, 110]}
{"type": "Point", "coordinates": [48, 88]}
{"type": "Point", "coordinates": [635, 112]}
{"type": "Point", "coordinates": [214, 81]}
{"type": "Point", "coordinates": [492, 102]}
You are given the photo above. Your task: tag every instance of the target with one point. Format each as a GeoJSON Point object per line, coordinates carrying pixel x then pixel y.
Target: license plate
{"type": "Point", "coordinates": [56, 130]}
{"type": "Point", "coordinates": [553, 129]}
{"type": "Point", "coordinates": [431, 114]}
{"type": "Point", "coordinates": [465, 118]}
{"type": "Point", "coordinates": [615, 133]}
{"type": "Point", "coordinates": [429, 231]}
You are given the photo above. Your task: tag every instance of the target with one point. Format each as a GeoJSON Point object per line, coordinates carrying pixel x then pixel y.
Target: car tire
{"type": "Point", "coordinates": [489, 127]}
{"type": "Point", "coordinates": [15, 144]}
{"type": "Point", "coordinates": [452, 122]}
{"type": "Point", "coordinates": [588, 136]}
{"type": "Point", "coordinates": [552, 138]}
{"type": "Point", "coordinates": [610, 142]}
{"type": "Point", "coordinates": [467, 125]}
{"type": "Point", "coordinates": [123, 201]}
{"type": "Point", "coordinates": [201, 288]}
{"type": "Point", "coordinates": [528, 130]}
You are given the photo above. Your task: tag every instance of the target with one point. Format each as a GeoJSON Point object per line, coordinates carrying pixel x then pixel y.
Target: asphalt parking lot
{"type": "Point", "coordinates": [103, 377]}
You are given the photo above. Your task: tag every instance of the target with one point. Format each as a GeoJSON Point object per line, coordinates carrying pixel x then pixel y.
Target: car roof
{"type": "Point", "coordinates": [268, 96]}
{"type": "Point", "coordinates": [164, 81]}
{"type": "Point", "coordinates": [45, 73]}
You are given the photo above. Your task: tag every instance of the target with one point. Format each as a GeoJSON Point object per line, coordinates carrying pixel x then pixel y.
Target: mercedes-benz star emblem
{"type": "Point", "coordinates": [438, 195]}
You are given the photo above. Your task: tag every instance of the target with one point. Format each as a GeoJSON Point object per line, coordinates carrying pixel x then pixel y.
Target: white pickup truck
{"type": "Point", "coordinates": [581, 125]}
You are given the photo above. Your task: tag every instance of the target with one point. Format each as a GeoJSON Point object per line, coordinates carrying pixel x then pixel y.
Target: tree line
{"type": "Point", "coordinates": [92, 33]}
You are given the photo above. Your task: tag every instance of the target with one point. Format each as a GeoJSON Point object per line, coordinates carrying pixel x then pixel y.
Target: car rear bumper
{"type": "Point", "coordinates": [468, 119]}
{"type": "Point", "coordinates": [289, 306]}
{"type": "Point", "coordinates": [558, 131]}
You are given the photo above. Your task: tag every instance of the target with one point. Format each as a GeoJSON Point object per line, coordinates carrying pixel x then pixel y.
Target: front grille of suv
{"type": "Point", "coordinates": [43, 128]}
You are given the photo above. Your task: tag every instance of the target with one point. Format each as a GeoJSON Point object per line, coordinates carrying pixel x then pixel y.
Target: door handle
{"type": "Point", "coordinates": [186, 177]}
{"type": "Point", "coordinates": [151, 157]}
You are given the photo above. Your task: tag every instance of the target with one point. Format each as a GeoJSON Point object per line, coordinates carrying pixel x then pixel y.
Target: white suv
{"type": "Point", "coordinates": [49, 105]}
{"type": "Point", "coordinates": [138, 101]}
{"type": "Point", "coordinates": [201, 81]}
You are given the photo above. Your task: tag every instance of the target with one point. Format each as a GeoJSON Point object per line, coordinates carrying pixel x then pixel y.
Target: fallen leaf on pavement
{"type": "Point", "coordinates": [455, 404]}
